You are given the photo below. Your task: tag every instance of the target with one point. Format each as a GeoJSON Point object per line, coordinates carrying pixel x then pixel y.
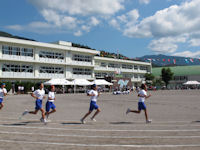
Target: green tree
{"type": "Point", "coordinates": [149, 77]}
{"type": "Point", "coordinates": [166, 75]}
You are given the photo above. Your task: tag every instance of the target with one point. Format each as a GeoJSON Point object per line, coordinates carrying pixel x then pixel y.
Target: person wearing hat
{"type": "Point", "coordinates": [3, 92]}
{"type": "Point", "coordinates": [50, 102]}
{"type": "Point", "coordinates": [93, 103]}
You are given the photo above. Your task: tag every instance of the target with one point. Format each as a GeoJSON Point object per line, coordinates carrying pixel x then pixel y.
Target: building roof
{"type": "Point", "coordinates": [179, 70]}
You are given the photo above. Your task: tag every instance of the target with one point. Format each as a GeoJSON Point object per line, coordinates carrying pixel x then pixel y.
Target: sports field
{"type": "Point", "coordinates": [175, 126]}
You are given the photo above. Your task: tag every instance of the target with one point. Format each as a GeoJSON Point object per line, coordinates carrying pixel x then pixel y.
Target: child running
{"type": "Point", "coordinates": [142, 94]}
{"type": "Point", "coordinates": [93, 105]}
{"type": "Point", "coordinates": [50, 102]}
{"type": "Point", "coordinates": [39, 95]}
{"type": "Point", "coordinates": [3, 92]}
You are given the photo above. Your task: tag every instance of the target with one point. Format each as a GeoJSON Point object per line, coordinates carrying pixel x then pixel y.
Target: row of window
{"type": "Point", "coordinates": [82, 71]}
{"type": "Point", "coordinates": [11, 50]}
{"type": "Point", "coordinates": [103, 74]}
{"type": "Point", "coordinates": [17, 68]}
{"type": "Point", "coordinates": [51, 55]}
{"type": "Point", "coordinates": [51, 70]}
{"type": "Point", "coordinates": [84, 58]}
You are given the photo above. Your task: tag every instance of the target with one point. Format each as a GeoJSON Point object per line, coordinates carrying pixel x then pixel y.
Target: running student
{"type": "Point", "coordinates": [50, 102]}
{"type": "Point", "coordinates": [39, 95]}
{"type": "Point", "coordinates": [3, 92]}
{"type": "Point", "coordinates": [93, 105]}
{"type": "Point", "coordinates": [142, 94]}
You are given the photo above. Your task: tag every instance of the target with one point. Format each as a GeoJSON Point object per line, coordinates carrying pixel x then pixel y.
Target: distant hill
{"type": "Point", "coordinates": [164, 60]}
{"type": "Point", "coordinates": [5, 34]}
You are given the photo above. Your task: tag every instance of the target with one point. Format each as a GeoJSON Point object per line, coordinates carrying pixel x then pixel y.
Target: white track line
{"type": "Point", "coordinates": [103, 137]}
{"type": "Point", "coordinates": [99, 130]}
{"type": "Point", "coordinates": [97, 145]}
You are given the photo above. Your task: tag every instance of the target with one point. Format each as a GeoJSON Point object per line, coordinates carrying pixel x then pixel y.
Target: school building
{"type": "Point", "coordinates": [25, 60]}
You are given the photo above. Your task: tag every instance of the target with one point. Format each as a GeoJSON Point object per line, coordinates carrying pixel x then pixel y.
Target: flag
{"type": "Point", "coordinates": [186, 61]}
{"type": "Point", "coordinates": [168, 60]}
{"type": "Point", "coordinates": [191, 60]}
{"type": "Point", "coordinates": [163, 59]}
{"type": "Point", "coordinates": [174, 61]}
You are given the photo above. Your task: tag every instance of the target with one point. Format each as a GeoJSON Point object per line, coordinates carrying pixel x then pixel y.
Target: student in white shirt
{"type": "Point", "coordinates": [50, 102]}
{"type": "Point", "coordinates": [39, 95]}
{"type": "Point", "coordinates": [3, 92]}
{"type": "Point", "coordinates": [142, 94]}
{"type": "Point", "coordinates": [93, 105]}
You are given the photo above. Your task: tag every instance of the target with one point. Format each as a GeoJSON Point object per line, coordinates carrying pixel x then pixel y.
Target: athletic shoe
{"type": "Point", "coordinates": [25, 112]}
{"type": "Point", "coordinates": [47, 116]}
{"type": "Point", "coordinates": [128, 111]}
{"type": "Point", "coordinates": [93, 119]}
{"type": "Point", "coordinates": [41, 119]}
{"type": "Point", "coordinates": [82, 121]}
{"type": "Point", "coordinates": [148, 121]}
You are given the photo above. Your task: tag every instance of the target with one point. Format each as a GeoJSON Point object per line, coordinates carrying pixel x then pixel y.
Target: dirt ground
{"type": "Point", "coordinates": [175, 125]}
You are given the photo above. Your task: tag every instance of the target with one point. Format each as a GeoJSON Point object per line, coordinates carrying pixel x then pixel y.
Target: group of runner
{"type": "Point", "coordinates": [39, 95]}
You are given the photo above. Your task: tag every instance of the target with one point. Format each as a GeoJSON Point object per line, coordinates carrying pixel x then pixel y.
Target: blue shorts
{"type": "Point", "coordinates": [50, 105]}
{"type": "Point", "coordinates": [38, 104]}
{"type": "Point", "coordinates": [93, 105]}
{"type": "Point", "coordinates": [141, 106]}
{"type": "Point", "coordinates": [1, 100]}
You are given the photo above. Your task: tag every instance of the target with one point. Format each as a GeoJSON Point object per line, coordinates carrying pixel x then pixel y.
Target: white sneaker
{"type": "Point", "coordinates": [25, 112]}
{"type": "Point", "coordinates": [82, 121]}
{"type": "Point", "coordinates": [93, 119]}
{"type": "Point", "coordinates": [44, 120]}
{"type": "Point", "coordinates": [148, 121]}
{"type": "Point", "coordinates": [128, 111]}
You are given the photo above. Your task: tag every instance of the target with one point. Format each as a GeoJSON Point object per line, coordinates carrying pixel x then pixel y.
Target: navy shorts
{"type": "Point", "coordinates": [50, 105]}
{"type": "Point", "coordinates": [38, 104]}
{"type": "Point", "coordinates": [1, 100]}
{"type": "Point", "coordinates": [141, 106]}
{"type": "Point", "coordinates": [93, 105]}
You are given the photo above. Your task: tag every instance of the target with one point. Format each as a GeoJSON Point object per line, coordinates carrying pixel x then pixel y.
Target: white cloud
{"type": "Point", "coordinates": [15, 27]}
{"type": "Point", "coordinates": [80, 7]}
{"type": "Point", "coordinates": [114, 23]}
{"type": "Point", "coordinates": [144, 1]}
{"type": "Point", "coordinates": [78, 33]}
{"type": "Point", "coordinates": [188, 54]}
{"type": "Point", "coordinates": [166, 45]}
{"type": "Point", "coordinates": [94, 21]}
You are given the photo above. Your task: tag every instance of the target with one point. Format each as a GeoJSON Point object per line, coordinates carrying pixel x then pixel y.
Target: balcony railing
{"type": "Point", "coordinates": [15, 57]}
{"type": "Point", "coordinates": [74, 76]}
{"type": "Point", "coordinates": [18, 74]}
{"type": "Point", "coordinates": [51, 60]}
{"type": "Point", "coordinates": [49, 75]}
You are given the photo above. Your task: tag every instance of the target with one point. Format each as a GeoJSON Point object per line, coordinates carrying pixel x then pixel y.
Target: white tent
{"type": "Point", "coordinates": [81, 82]}
{"type": "Point", "coordinates": [58, 82]}
{"type": "Point", "coordinates": [101, 82]}
{"type": "Point", "coordinates": [192, 83]}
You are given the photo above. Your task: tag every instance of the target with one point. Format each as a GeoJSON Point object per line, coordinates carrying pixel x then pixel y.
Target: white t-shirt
{"type": "Point", "coordinates": [142, 93]}
{"type": "Point", "coordinates": [39, 93]}
{"type": "Point", "coordinates": [93, 98]}
{"type": "Point", "coordinates": [52, 96]}
{"type": "Point", "coordinates": [1, 92]}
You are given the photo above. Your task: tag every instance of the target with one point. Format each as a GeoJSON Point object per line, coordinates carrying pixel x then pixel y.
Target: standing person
{"type": "Point", "coordinates": [50, 102]}
{"type": "Point", "coordinates": [142, 94]}
{"type": "Point", "coordinates": [93, 105]}
{"type": "Point", "coordinates": [3, 92]}
{"type": "Point", "coordinates": [39, 95]}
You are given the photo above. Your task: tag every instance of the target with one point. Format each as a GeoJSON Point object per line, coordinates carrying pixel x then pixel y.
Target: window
{"type": "Point", "coordinates": [110, 65]}
{"type": "Point", "coordinates": [51, 70]}
{"type": "Point", "coordinates": [125, 66]}
{"type": "Point", "coordinates": [103, 74]}
{"type": "Point", "coordinates": [135, 75]}
{"type": "Point", "coordinates": [143, 68]}
{"type": "Point", "coordinates": [17, 68]}
{"type": "Point", "coordinates": [84, 58]}
{"type": "Point", "coordinates": [103, 64]}
{"type": "Point", "coordinates": [135, 67]}
{"type": "Point", "coordinates": [82, 71]}
{"type": "Point", "coordinates": [51, 55]}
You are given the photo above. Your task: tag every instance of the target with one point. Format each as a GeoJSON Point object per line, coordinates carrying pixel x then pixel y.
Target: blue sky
{"type": "Point", "coordinates": [133, 27]}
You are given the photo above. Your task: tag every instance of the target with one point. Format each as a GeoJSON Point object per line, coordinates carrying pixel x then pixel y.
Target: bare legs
{"type": "Point", "coordinates": [1, 105]}
{"type": "Point", "coordinates": [48, 113]}
{"type": "Point", "coordinates": [36, 111]}
{"type": "Point", "coordinates": [139, 111]}
{"type": "Point", "coordinates": [88, 113]}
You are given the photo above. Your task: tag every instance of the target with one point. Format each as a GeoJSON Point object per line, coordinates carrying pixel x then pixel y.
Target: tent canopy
{"type": "Point", "coordinates": [192, 83]}
{"type": "Point", "coordinates": [101, 82]}
{"type": "Point", "coordinates": [58, 82]}
{"type": "Point", "coordinates": [81, 82]}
